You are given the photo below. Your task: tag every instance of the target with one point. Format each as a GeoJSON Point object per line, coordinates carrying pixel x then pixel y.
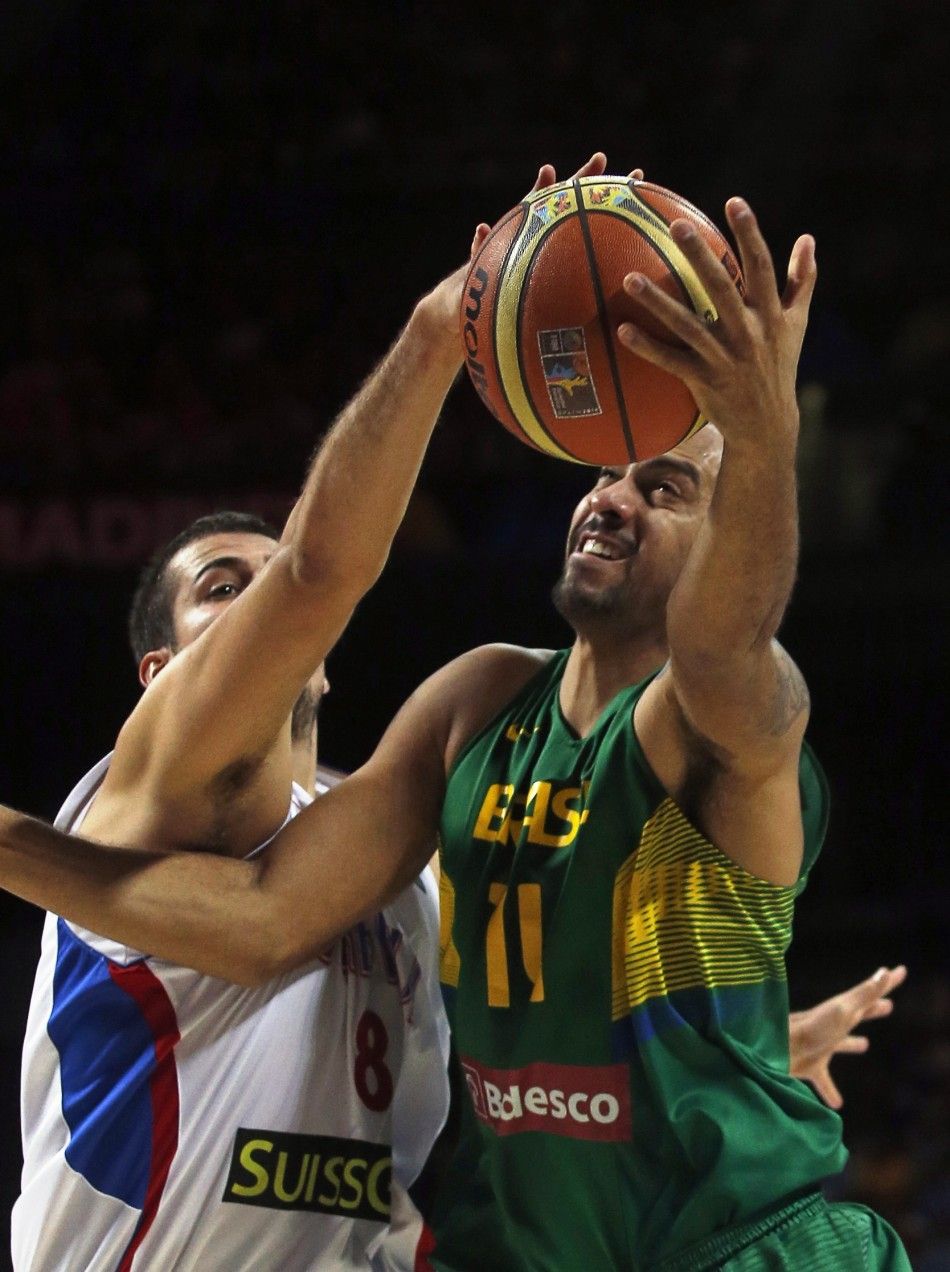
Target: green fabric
{"type": "Point", "coordinates": [807, 1236]}
{"type": "Point", "coordinates": [616, 988]}
{"type": "Point", "coordinates": [841, 1238]}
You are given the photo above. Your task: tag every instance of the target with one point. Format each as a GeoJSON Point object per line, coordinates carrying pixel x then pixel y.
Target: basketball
{"type": "Point", "coordinates": [540, 310]}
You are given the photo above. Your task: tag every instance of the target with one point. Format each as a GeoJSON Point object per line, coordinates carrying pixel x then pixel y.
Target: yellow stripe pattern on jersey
{"type": "Point", "coordinates": [685, 916]}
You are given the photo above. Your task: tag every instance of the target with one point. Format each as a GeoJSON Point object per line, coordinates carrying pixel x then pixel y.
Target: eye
{"type": "Point", "coordinates": [666, 488]}
{"type": "Point", "coordinates": [223, 589]}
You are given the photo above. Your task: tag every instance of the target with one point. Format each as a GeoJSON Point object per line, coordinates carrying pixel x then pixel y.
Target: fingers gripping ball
{"type": "Point", "coordinates": [540, 311]}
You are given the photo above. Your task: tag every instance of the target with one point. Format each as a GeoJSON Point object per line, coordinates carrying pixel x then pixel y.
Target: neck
{"type": "Point", "coordinates": [598, 667]}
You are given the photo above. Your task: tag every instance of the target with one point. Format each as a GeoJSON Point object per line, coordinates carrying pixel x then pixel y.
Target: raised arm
{"type": "Point", "coordinates": [738, 693]}
{"type": "Point", "coordinates": [222, 701]}
{"type": "Point", "coordinates": [226, 697]}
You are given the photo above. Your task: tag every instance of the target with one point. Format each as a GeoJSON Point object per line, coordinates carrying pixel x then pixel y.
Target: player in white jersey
{"type": "Point", "coordinates": [154, 1088]}
{"type": "Point", "coordinates": [173, 1120]}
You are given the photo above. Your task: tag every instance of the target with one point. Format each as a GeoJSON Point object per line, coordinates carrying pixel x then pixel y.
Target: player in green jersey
{"type": "Point", "coordinates": [625, 826]}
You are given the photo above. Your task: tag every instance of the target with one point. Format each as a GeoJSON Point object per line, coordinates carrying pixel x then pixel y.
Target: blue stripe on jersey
{"type": "Point", "coordinates": [107, 1057]}
{"type": "Point", "coordinates": [704, 1012]}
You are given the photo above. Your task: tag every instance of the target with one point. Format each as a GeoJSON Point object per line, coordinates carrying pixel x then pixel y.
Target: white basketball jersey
{"type": "Point", "coordinates": [175, 1121]}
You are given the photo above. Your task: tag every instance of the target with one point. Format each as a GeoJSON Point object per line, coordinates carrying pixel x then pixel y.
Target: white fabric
{"type": "Point", "coordinates": [99, 1115]}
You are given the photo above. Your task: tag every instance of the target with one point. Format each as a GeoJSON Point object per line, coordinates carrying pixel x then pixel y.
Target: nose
{"type": "Point", "coordinates": [617, 502]}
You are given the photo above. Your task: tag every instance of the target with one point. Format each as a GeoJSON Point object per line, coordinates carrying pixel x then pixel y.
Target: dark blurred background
{"type": "Point", "coordinates": [215, 219]}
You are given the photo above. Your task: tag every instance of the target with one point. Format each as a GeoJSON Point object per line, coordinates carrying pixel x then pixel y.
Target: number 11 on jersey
{"type": "Point", "coordinates": [496, 952]}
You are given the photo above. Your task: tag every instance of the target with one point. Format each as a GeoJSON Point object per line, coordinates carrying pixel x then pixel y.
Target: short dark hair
{"type": "Point", "coordinates": [151, 621]}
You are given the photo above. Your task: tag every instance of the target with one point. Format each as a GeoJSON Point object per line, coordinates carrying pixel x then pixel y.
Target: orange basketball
{"type": "Point", "coordinates": [540, 311]}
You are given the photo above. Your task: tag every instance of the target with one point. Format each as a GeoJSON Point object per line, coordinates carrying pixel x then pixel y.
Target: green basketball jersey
{"type": "Point", "coordinates": [617, 993]}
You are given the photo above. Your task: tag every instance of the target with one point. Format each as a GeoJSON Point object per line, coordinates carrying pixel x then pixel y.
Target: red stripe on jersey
{"type": "Point", "coordinates": [424, 1249]}
{"type": "Point", "coordinates": [143, 986]}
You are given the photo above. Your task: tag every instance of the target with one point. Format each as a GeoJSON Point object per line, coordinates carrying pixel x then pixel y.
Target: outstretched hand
{"type": "Point", "coordinates": [816, 1036]}
{"type": "Point", "coordinates": [444, 300]}
{"type": "Point", "coordinates": [741, 368]}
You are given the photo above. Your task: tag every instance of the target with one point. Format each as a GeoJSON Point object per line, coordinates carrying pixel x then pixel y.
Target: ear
{"type": "Point", "coordinates": [152, 664]}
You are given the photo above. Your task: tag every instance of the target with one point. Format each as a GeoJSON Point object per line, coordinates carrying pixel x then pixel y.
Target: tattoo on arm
{"type": "Point", "coordinates": [790, 698]}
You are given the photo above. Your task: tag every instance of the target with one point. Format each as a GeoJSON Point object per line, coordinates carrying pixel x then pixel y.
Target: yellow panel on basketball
{"type": "Point", "coordinates": [542, 304]}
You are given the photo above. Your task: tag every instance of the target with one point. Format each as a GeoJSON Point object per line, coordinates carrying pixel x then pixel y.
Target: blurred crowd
{"type": "Point", "coordinates": [220, 216]}
{"type": "Point", "coordinates": [217, 216]}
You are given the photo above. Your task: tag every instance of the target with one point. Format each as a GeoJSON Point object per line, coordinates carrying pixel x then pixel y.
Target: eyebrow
{"type": "Point", "coordinates": [665, 463]}
{"type": "Point", "coordinates": [220, 563]}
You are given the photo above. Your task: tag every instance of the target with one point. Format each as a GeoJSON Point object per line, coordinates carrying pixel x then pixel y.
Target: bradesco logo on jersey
{"type": "Point", "coordinates": [588, 1102]}
{"type": "Point", "coordinates": [310, 1172]}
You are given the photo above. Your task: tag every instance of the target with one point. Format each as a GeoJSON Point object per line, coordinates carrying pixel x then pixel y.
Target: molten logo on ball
{"type": "Point", "coordinates": [478, 281]}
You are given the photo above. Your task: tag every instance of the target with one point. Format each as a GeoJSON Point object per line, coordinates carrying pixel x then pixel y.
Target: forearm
{"type": "Point", "coordinates": [732, 593]}
{"type": "Point", "coordinates": [363, 474]}
{"type": "Point", "coordinates": [219, 927]}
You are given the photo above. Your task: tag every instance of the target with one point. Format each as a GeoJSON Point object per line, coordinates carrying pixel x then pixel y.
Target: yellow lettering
{"type": "Point", "coordinates": [253, 1168]}
{"type": "Point", "coordinates": [312, 1181]}
{"type": "Point", "coordinates": [496, 955]}
{"type": "Point", "coordinates": [355, 1184]}
{"type": "Point", "coordinates": [332, 1173]}
{"type": "Point", "coordinates": [494, 807]}
{"type": "Point", "coordinates": [506, 815]}
{"type": "Point", "coordinates": [280, 1191]}
{"type": "Point", "coordinates": [560, 806]}
{"type": "Point", "coordinates": [529, 915]}
{"type": "Point", "coordinates": [510, 830]}
{"type": "Point", "coordinates": [536, 799]}
{"type": "Point", "coordinates": [373, 1195]}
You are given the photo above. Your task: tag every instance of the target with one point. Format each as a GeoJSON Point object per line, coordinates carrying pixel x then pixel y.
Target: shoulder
{"type": "Point", "coordinates": [448, 709]}
{"type": "Point", "coordinates": [498, 664]}
{"type": "Point", "coordinates": [480, 683]}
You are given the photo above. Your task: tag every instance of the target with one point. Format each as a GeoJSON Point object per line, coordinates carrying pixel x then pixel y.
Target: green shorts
{"type": "Point", "coordinates": [808, 1235]}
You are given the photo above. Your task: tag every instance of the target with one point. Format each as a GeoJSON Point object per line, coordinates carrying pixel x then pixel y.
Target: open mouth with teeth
{"type": "Point", "coordinates": [605, 549]}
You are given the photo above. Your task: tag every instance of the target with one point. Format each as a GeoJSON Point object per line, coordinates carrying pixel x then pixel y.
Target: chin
{"type": "Point", "coordinates": [576, 603]}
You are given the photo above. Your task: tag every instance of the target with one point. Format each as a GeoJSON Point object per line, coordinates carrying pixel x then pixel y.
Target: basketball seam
{"type": "Point", "coordinates": [519, 345]}
{"type": "Point", "coordinates": [698, 419]}
{"type": "Point", "coordinates": [604, 323]}
{"type": "Point", "coordinates": [659, 251]}
{"type": "Point", "coordinates": [691, 211]}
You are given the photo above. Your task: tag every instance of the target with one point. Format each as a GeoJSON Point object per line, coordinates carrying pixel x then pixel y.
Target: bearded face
{"type": "Point", "coordinates": [631, 535]}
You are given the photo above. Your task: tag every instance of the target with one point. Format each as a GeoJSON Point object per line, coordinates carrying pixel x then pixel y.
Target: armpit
{"type": "Point", "coordinates": [705, 761]}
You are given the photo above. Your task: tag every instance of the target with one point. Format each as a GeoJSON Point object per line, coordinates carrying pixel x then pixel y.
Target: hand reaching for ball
{"type": "Point", "coordinates": [741, 368]}
{"type": "Point", "coordinates": [441, 305]}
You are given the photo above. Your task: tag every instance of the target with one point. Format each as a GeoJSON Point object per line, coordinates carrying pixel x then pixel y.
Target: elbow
{"type": "Point", "coordinates": [274, 949]}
